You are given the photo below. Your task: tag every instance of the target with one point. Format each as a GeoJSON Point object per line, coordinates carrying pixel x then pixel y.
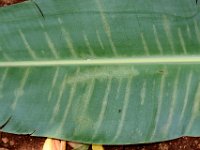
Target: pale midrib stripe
{"type": "Point", "coordinates": [20, 90]}
{"type": "Point", "coordinates": [103, 108]}
{"type": "Point", "coordinates": [2, 80]}
{"type": "Point", "coordinates": [91, 51]}
{"type": "Point", "coordinates": [160, 102]}
{"type": "Point", "coordinates": [182, 42]}
{"type": "Point", "coordinates": [146, 48]}
{"type": "Point", "coordinates": [106, 61]}
{"type": "Point", "coordinates": [87, 95]}
{"type": "Point", "coordinates": [99, 39]}
{"type": "Point", "coordinates": [143, 93]}
{"type": "Point", "coordinates": [53, 84]}
{"type": "Point", "coordinates": [67, 39]}
{"type": "Point", "coordinates": [58, 102]}
{"type": "Point", "coordinates": [26, 43]}
{"type": "Point", "coordinates": [186, 98]}
{"type": "Point", "coordinates": [118, 88]}
{"type": "Point", "coordinates": [168, 32]}
{"type": "Point", "coordinates": [67, 110]}
{"type": "Point", "coordinates": [195, 110]}
{"type": "Point", "coordinates": [51, 46]}
{"type": "Point", "coordinates": [173, 103]}
{"type": "Point", "coordinates": [124, 109]}
{"type": "Point", "coordinates": [157, 39]}
{"type": "Point", "coordinates": [107, 27]}
{"type": "Point", "coordinates": [69, 104]}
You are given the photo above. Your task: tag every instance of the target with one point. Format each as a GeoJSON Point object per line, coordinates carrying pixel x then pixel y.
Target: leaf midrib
{"type": "Point", "coordinates": [106, 61]}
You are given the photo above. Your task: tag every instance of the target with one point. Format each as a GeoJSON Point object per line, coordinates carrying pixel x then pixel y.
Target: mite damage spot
{"type": "Point", "coordinates": [162, 72]}
{"type": "Point", "coordinates": [102, 73]}
{"type": "Point", "coordinates": [9, 2]}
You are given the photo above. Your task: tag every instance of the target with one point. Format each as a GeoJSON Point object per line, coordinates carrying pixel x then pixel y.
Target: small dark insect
{"type": "Point", "coordinates": [196, 1]}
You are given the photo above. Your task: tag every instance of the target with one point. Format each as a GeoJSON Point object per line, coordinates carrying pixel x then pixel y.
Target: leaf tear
{"type": "Point", "coordinates": [7, 121]}
{"type": "Point", "coordinates": [39, 9]}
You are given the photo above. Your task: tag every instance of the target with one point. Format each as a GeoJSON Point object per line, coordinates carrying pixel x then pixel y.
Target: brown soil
{"type": "Point", "coordinates": [26, 142]}
{"type": "Point", "coordinates": [18, 142]}
{"type": "Point", "coordinates": [184, 143]}
{"type": "Point", "coordinates": [9, 2]}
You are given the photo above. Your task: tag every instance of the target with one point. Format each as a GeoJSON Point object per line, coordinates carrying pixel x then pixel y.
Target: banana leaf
{"type": "Point", "coordinates": [101, 71]}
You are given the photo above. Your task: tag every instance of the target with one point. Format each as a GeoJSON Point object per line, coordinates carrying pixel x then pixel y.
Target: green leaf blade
{"type": "Point", "coordinates": [100, 72]}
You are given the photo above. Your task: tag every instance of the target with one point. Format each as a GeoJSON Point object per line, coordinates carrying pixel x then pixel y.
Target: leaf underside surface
{"type": "Point", "coordinates": [101, 71]}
